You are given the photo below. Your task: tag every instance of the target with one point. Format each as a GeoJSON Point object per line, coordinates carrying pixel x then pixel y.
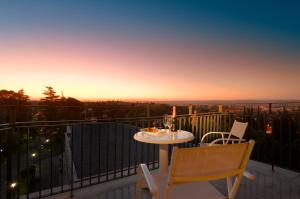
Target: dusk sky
{"type": "Point", "coordinates": [150, 50]}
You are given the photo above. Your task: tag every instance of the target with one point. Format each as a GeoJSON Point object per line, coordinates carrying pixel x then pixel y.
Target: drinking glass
{"type": "Point", "coordinates": [165, 120]}
{"type": "Point", "coordinates": [168, 122]}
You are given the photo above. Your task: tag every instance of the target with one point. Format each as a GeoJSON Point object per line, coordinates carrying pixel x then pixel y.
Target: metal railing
{"type": "Point", "coordinates": [44, 158]}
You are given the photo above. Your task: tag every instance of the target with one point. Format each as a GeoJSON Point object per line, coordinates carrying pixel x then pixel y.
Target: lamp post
{"type": "Point", "coordinates": [269, 132]}
{"type": "Point", "coordinates": [269, 129]}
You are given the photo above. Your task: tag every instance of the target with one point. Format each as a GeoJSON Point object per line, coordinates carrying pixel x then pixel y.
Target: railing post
{"type": "Point", "coordinates": [85, 111]}
{"type": "Point", "coordinates": [289, 142]}
{"type": "Point", "coordinates": [272, 137]}
{"type": "Point", "coordinates": [148, 115]}
{"type": "Point", "coordinates": [193, 122]}
{"type": "Point", "coordinates": [244, 113]}
{"type": "Point", "coordinates": [257, 120]}
{"type": "Point", "coordinates": [10, 147]}
{"type": "Point", "coordinates": [270, 108]}
{"type": "Point", "coordinates": [71, 130]}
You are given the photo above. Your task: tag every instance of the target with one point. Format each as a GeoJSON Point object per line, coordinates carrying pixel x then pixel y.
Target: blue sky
{"type": "Point", "coordinates": [275, 19]}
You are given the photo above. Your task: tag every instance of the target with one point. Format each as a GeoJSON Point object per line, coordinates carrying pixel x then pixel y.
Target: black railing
{"type": "Point", "coordinates": [39, 159]}
{"type": "Point", "coordinates": [281, 146]}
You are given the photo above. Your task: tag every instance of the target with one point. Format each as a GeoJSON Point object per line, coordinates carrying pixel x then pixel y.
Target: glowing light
{"type": "Point", "coordinates": [33, 155]}
{"type": "Point", "coordinates": [269, 129]}
{"type": "Point", "coordinates": [13, 185]}
{"type": "Point", "coordinates": [47, 140]}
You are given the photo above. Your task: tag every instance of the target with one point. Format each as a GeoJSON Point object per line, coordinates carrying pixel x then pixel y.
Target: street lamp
{"type": "Point", "coordinates": [269, 131]}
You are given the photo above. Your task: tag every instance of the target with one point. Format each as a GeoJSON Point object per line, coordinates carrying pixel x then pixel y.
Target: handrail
{"type": "Point", "coordinates": [69, 122]}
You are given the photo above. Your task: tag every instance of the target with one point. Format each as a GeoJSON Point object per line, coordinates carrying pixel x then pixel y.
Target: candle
{"type": "Point", "coordinates": [174, 112]}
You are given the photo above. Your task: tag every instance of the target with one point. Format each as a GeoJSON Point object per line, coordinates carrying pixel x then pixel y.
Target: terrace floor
{"type": "Point", "coordinates": [281, 183]}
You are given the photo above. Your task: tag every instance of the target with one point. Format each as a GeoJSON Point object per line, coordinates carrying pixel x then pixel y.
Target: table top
{"type": "Point", "coordinates": [164, 138]}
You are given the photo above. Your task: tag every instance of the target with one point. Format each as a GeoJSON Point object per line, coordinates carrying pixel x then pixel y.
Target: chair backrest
{"type": "Point", "coordinates": [238, 129]}
{"type": "Point", "coordinates": [209, 163]}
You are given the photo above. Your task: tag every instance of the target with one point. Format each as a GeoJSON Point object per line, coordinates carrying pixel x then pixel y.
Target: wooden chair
{"type": "Point", "coordinates": [192, 168]}
{"type": "Point", "coordinates": [235, 135]}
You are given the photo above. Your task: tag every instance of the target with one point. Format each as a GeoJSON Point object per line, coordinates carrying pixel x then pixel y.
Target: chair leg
{"type": "Point", "coordinates": [138, 187]}
{"type": "Point", "coordinates": [229, 184]}
{"type": "Point", "coordinates": [168, 192]}
{"type": "Point", "coordinates": [235, 186]}
{"type": "Point", "coordinates": [138, 191]}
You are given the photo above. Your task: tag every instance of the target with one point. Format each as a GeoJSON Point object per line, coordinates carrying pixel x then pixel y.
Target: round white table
{"type": "Point", "coordinates": [163, 139]}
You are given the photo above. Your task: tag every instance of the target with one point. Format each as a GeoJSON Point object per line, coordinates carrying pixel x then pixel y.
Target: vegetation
{"type": "Point", "coordinates": [14, 106]}
{"type": "Point", "coordinates": [55, 107]}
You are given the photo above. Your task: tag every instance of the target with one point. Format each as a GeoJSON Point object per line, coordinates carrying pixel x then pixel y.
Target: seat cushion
{"type": "Point", "coordinates": [203, 190]}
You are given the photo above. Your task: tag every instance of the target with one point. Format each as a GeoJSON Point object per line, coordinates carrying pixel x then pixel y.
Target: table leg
{"type": "Point", "coordinates": [163, 158]}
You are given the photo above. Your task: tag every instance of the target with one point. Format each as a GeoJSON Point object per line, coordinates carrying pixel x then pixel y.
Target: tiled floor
{"type": "Point", "coordinates": [278, 184]}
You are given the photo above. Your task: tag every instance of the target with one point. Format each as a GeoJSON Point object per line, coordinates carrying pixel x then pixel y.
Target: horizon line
{"type": "Point", "coordinates": [177, 100]}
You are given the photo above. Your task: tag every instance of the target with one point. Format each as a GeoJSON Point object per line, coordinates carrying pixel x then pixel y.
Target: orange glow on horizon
{"type": "Point", "coordinates": [111, 69]}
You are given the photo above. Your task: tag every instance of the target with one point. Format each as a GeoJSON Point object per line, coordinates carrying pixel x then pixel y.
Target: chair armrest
{"type": "Point", "coordinates": [210, 133]}
{"type": "Point", "coordinates": [216, 141]}
{"type": "Point", "coordinates": [248, 175]}
{"type": "Point", "coordinates": [149, 179]}
{"type": "Point", "coordinates": [236, 139]}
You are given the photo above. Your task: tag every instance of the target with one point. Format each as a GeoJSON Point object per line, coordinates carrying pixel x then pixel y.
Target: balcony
{"type": "Point", "coordinates": [99, 158]}
{"type": "Point", "coordinates": [281, 183]}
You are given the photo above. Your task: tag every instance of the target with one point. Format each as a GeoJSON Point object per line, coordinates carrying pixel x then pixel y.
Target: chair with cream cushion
{"type": "Point", "coordinates": [191, 169]}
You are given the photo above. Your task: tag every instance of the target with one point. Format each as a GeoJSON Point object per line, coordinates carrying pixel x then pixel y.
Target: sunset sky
{"type": "Point", "coordinates": [149, 50]}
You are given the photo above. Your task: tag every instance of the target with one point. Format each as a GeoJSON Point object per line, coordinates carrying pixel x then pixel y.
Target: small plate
{"type": "Point", "coordinates": [156, 132]}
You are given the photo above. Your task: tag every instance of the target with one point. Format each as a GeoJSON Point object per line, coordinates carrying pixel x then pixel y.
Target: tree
{"type": "Point", "coordinates": [21, 97]}
{"type": "Point", "coordinates": [59, 107]}
{"type": "Point", "coordinates": [12, 98]}
{"type": "Point", "coordinates": [14, 101]}
{"type": "Point", "coordinates": [50, 95]}
{"type": "Point", "coordinates": [51, 100]}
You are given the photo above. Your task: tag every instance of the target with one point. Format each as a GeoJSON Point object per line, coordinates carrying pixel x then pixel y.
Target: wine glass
{"type": "Point", "coordinates": [165, 120]}
{"type": "Point", "coordinates": [168, 122]}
